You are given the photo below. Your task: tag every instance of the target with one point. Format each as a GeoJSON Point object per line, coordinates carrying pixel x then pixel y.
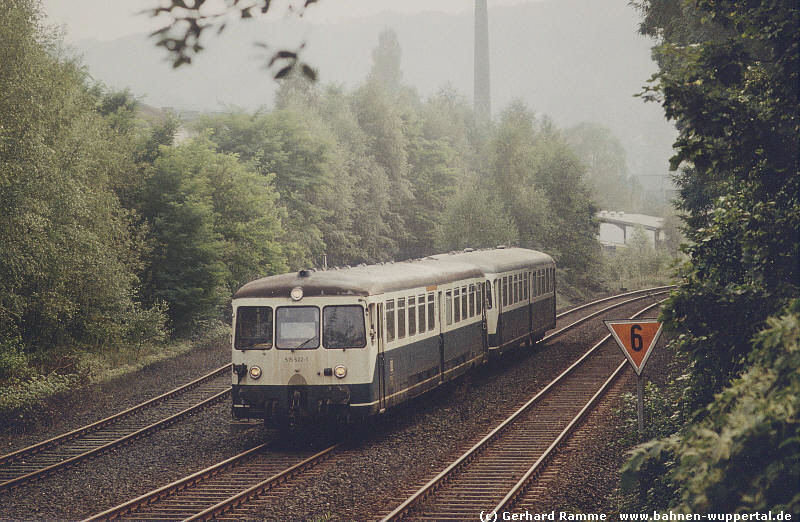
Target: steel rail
{"type": "Point", "coordinates": [198, 479]}
{"type": "Point", "coordinates": [655, 289]}
{"type": "Point", "coordinates": [537, 467]}
{"type": "Point", "coordinates": [278, 478]}
{"type": "Point", "coordinates": [481, 445]}
{"type": "Point", "coordinates": [115, 442]}
{"type": "Point", "coordinates": [39, 446]}
{"type": "Point", "coordinates": [598, 312]}
{"type": "Point", "coordinates": [243, 496]}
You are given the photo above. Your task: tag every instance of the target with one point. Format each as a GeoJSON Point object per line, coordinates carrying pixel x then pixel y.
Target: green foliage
{"type": "Point", "coordinates": [13, 360]}
{"type": "Point", "coordinates": [68, 260]}
{"type": "Point", "coordinates": [21, 396]}
{"type": "Point", "coordinates": [728, 77]}
{"type": "Point", "coordinates": [639, 264]}
{"type": "Point", "coordinates": [540, 183]}
{"type": "Point", "coordinates": [745, 454]}
{"type": "Point", "coordinates": [302, 158]}
{"type": "Point", "coordinates": [475, 218]}
{"type": "Point", "coordinates": [215, 226]}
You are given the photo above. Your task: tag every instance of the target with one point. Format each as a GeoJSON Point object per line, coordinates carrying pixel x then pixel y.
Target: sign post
{"type": "Point", "coordinates": [636, 338]}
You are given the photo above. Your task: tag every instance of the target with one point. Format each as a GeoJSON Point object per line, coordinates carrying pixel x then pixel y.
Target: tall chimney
{"type": "Point", "coordinates": [483, 107]}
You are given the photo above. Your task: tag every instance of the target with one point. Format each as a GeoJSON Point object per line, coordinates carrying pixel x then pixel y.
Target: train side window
{"type": "Point", "coordinates": [457, 305]}
{"type": "Point", "coordinates": [505, 291]}
{"type": "Point", "coordinates": [448, 307]}
{"type": "Point", "coordinates": [528, 285]}
{"type": "Point", "coordinates": [546, 279]}
{"type": "Point", "coordinates": [412, 316]}
{"type": "Point", "coordinates": [431, 312]}
{"type": "Point", "coordinates": [390, 320]}
{"type": "Point", "coordinates": [525, 286]}
{"type": "Point", "coordinates": [479, 300]}
{"type": "Point", "coordinates": [541, 282]}
{"type": "Point", "coordinates": [472, 300]}
{"type": "Point", "coordinates": [464, 303]}
{"type": "Point", "coordinates": [421, 313]}
{"type": "Point", "coordinates": [488, 288]}
{"type": "Point", "coordinates": [401, 317]}
{"type": "Point", "coordinates": [517, 287]}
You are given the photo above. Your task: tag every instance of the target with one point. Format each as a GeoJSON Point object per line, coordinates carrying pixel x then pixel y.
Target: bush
{"type": "Point", "coordinates": [21, 396]}
{"type": "Point", "coordinates": [744, 455]}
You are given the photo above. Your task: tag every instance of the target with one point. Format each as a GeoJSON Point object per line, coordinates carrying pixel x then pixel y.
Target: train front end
{"type": "Point", "coordinates": [301, 352]}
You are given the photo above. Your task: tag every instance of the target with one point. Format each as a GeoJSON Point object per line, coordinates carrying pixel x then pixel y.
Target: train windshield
{"type": "Point", "coordinates": [253, 328]}
{"type": "Point", "coordinates": [343, 327]}
{"type": "Point", "coordinates": [298, 327]}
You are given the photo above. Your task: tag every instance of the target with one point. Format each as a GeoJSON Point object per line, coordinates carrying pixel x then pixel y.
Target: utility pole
{"type": "Point", "coordinates": [483, 107]}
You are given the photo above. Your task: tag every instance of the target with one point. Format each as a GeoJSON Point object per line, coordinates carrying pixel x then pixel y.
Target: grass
{"type": "Point", "coordinates": [34, 382]}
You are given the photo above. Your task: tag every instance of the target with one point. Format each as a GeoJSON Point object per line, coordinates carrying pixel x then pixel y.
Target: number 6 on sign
{"type": "Point", "coordinates": [636, 338]}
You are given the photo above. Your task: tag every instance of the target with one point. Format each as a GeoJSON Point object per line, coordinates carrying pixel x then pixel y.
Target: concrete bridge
{"type": "Point", "coordinates": [615, 227]}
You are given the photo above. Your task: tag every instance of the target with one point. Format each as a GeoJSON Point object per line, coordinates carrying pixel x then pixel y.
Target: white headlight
{"type": "Point", "coordinates": [296, 294]}
{"type": "Point", "coordinates": [340, 371]}
{"type": "Point", "coordinates": [255, 372]}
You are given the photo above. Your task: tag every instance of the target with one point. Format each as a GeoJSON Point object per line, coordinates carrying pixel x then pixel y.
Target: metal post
{"type": "Point", "coordinates": [640, 404]}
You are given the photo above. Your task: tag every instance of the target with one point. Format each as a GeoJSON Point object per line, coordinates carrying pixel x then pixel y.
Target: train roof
{"type": "Point", "coordinates": [388, 277]}
{"type": "Point", "coordinates": [496, 260]}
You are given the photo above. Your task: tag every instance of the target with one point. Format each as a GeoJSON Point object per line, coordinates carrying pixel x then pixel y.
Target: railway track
{"type": "Point", "coordinates": [50, 456]}
{"type": "Point", "coordinates": [240, 480]}
{"type": "Point", "coordinates": [212, 491]}
{"type": "Point", "coordinates": [492, 474]}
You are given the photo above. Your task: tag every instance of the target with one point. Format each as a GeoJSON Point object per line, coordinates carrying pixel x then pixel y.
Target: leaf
{"type": "Point", "coordinates": [309, 73]}
{"type": "Point", "coordinates": [283, 72]}
{"type": "Point", "coordinates": [282, 55]}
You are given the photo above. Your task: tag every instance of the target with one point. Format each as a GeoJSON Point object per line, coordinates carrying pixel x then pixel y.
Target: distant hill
{"type": "Point", "coordinates": [574, 60]}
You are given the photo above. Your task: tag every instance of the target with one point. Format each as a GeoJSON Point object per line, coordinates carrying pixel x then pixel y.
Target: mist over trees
{"type": "Point", "coordinates": [116, 233]}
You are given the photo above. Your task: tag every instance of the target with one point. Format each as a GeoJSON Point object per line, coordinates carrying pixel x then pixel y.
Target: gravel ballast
{"type": "Point", "coordinates": [382, 461]}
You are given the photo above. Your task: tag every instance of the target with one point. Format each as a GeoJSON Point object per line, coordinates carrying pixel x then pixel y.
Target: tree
{"type": "Point", "coordinates": [540, 182]}
{"type": "Point", "coordinates": [186, 269]}
{"type": "Point", "coordinates": [68, 261]}
{"type": "Point", "coordinates": [475, 218]}
{"type": "Point", "coordinates": [309, 175]}
{"type": "Point", "coordinates": [733, 94]}
{"type": "Point", "coordinates": [728, 77]}
{"type": "Point", "coordinates": [606, 166]}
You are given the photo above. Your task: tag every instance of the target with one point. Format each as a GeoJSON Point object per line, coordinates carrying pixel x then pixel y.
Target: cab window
{"type": "Point", "coordinates": [343, 327]}
{"type": "Point", "coordinates": [253, 328]}
{"type": "Point", "coordinates": [297, 327]}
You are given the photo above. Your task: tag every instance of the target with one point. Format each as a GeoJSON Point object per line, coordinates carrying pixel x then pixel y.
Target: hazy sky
{"type": "Point", "coordinates": [109, 19]}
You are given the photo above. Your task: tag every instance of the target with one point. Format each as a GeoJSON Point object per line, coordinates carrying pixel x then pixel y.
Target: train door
{"type": "Point", "coordinates": [529, 293]}
{"type": "Point", "coordinates": [376, 320]}
{"type": "Point", "coordinates": [498, 300]}
{"type": "Point", "coordinates": [440, 316]}
{"type": "Point", "coordinates": [485, 295]}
